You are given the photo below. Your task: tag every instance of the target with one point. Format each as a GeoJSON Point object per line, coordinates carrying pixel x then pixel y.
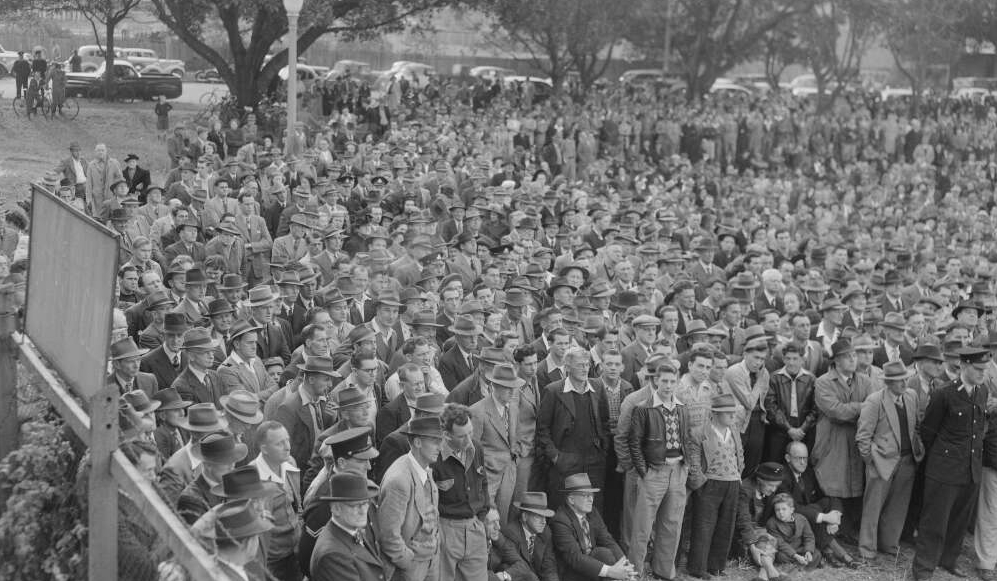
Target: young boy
{"type": "Point", "coordinates": [715, 466]}
{"type": "Point", "coordinates": [795, 542]}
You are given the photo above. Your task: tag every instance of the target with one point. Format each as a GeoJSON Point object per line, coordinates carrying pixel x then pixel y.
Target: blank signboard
{"type": "Point", "coordinates": [70, 293]}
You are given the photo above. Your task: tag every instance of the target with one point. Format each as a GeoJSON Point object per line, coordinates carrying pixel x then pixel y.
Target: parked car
{"type": "Point", "coordinates": [146, 60]}
{"type": "Point", "coordinates": [208, 76]}
{"type": "Point", "coordinates": [543, 88]}
{"type": "Point", "coordinates": [723, 85]}
{"type": "Point", "coordinates": [129, 81]}
{"type": "Point", "coordinates": [92, 57]}
{"type": "Point", "coordinates": [352, 67]}
{"type": "Point", "coordinates": [7, 58]}
{"type": "Point", "coordinates": [490, 73]}
{"type": "Point", "coordinates": [305, 73]}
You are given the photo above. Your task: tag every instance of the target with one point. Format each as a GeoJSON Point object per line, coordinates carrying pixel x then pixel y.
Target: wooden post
{"type": "Point", "coordinates": [10, 427]}
{"type": "Point", "coordinates": [103, 509]}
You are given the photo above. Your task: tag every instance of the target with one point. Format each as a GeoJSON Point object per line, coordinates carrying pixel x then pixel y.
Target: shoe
{"type": "Point", "coordinates": [831, 560]}
{"type": "Point", "coordinates": [987, 574]}
{"type": "Point", "coordinates": [854, 563]}
{"type": "Point", "coordinates": [955, 571]}
{"type": "Point", "coordinates": [720, 573]}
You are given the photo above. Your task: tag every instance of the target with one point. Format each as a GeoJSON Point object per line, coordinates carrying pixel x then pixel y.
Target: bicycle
{"type": "Point", "coordinates": [69, 110]}
{"type": "Point", "coordinates": [42, 103]}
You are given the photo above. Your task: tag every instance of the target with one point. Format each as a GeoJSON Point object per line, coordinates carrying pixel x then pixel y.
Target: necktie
{"type": "Point", "coordinates": [531, 543]}
{"type": "Point", "coordinates": [317, 415]}
{"type": "Point", "coordinates": [793, 403]}
{"type": "Point", "coordinates": [730, 334]}
{"type": "Point", "coordinates": [176, 362]}
{"type": "Point", "coordinates": [587, 540]}
{"type": "Point", "coordinates": [358, 538]}
{"type": "Point", "coordinates": [505, 418]}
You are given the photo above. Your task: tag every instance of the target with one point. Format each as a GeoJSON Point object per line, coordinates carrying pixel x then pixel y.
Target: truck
{"type": "Point", "coordinates": [130, 83]}
{"type": "Point", "coordinates": [147, 61]}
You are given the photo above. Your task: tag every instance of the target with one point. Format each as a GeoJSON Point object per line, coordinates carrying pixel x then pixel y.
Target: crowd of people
{"type": "Point", "coordinates": [622, 338]}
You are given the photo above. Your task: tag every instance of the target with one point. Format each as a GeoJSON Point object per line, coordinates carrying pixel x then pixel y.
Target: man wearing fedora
{"type": "Point", "coordinates": [888, 439]}
{"type": "Point", "coordinates": [304, 412]}
{"type": "Point", "coordinates": [495, 420]}
{"type": "Point", "coordinates": [292, 247]}
{"type": "Point", "coordinates": [243, 368]}
{"type": "Point", "coordinates": [228, 244]}
{"type": "Point", "coordinates": [458, 363]}
{"type": "Point", "coordinates": [839, 394]}
{"type": "Point", "coordinates": [198, 383]}
{"type": "Point", "coordinates": [256, 240]}
{"type": "Point", "coordinates": [169, 436]}
{"type": "Point", "coordinates": [217, 452]}
{"type": "Point", "coordinates": [395, 445]}
{"type": "Point", "coordinates": [126, 363]}
{"type": "Point", "coordinates": [531, 537]}
{"type": "Point", "coordinates": [275, 466]}
{"type": "Point", "coordinates": [393, 415]}
{"type": "Point", "coordinates": [895, 346]}
{"type": "Point", "coordinates": [157, 305]}
{"type": "Point", "coordinates": [193, 305]}
{"type": "Point", "coordinates": [345, 550]}
{"type": "Point", "coordinates": [273, 333]}
{"type": "Point", "coordinates": [584, 548]}
{"type": "Point", "coordinates": [353, 406]}
{"type": "Point", "coordinates": [187, 244]}
{"type": "Point", "coordinates": [221, 315]}
{"type": "Point", "coordinates": [235, 528]}
{"type": "Point", "coordinates": [349, 451]}
{"type": "Point", "coordinates": [181, 468]}
{"type": "Point", "coordinates": [408, 515]}
{"type": "Point", "coordinates": [242, 410]}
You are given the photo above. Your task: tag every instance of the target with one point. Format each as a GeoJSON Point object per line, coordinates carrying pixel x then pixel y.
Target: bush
{"type": "Point", "coordinates": [42, 530]}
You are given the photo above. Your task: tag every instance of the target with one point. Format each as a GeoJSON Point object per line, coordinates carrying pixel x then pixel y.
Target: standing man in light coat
{"type": "Point", "coordinates": [408, 506]}
{"type": "Point", "coordinates": [495, 428]}
{"type": "Point", "coordinates": [839, 394]}
{"type": "Point", "coordinates": [888, 438]}
{"type": "Point", "coordinates": [102, 173]}
{"type": "Point", "coordinates": [748, 382]}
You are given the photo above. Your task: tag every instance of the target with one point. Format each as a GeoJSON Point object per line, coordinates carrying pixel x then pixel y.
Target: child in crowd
{"type": "Point", "coordinates": [163, 117]}
{"type": "Point", "coordinates": [795, 543]}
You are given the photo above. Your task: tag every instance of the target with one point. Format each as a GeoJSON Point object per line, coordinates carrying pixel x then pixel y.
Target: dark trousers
{"type": "Point", "coordinates": [945, 515]}
{"type": "Point", "coordinates": [777, 439]}
{"type": "Point", "coordinates": [914, 508]}
{"type": "Point", "coordinates": [753, 441]}
{"type": "Point", "coordinates": [285, 568]}
{"type": "Point", "coordinates": [714, 509]}
{"type": "Point", "coordinates": [592, 462]}
{"type": "Point", "coordinates": [20, 85]}
{"type": "Point", "coordinates": [612, 512]}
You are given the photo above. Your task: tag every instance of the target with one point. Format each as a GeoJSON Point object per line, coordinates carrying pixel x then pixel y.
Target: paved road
{"type": "Point", "coordinates": [192, 92]}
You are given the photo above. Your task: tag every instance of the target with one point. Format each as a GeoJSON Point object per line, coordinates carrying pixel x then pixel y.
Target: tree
{"type": "Point", "coordinates": [922, 33]}
{"type": "Point", "coordinates": [108, 13]}
{"type": "Point", "coordinates": [781, 48]}
{"type": "Point", "coordinates": [561, 35]}
{"type": "Point", "coordinates": [836, 34]}
{"type": "Point", "coordinates": [711, 36]}
{"type": "Point", "coordinates": [251, 27]}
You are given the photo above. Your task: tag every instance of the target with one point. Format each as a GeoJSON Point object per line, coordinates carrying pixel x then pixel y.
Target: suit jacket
{"type": "Point", "coordinates": [556, 421]}
{"type": "Point", "coordinates": [196, 499]}
{"type": "Point", "coordinates": [147, 382]}
{"type": "Point", "coordinates": [504, 558]}
{"type": "Point", "coordinates": [385, 350]}
{"type": "Point", "coordinates": [286, 249]}
{"type": "Point", "coordinates": [469, 269]}
{"type": "Point", "coordinates": [953, 431]}
{"type": "Point", "coordinates": [879, 356]}
{"type": "Point", "coordinates": [158, 364]}
{"type": "Point", "coordinates": [298, 420]}
{"type": "Point", "coordinates": [256, 258]}
{"type": "Point", "coordinates": [192, 389]}
{"type": "Point", "coordinates": [547, 376]}
{"type": "Point", "coordinates": [807, 494]}
{"type": "Point", "coordinates": [391, 417]}
{"type": "Point", "coordinates": [166, 440]}
{"type": "Point", "coordinates": [197, 316]}
{"type": "Point", "coordinates": [177, 248]}
{"type": "Point", "coordinates": [634, 356]}
{"type": "Point", "coordinates": [273, 341]}
{"type": "Point", "coordinates": [543, 564]}
{"type": "Point", "coordinates": [232, 376]}
{"type": "Point", "coordinates": [498, 443]}
{"type": "Point", "coordinates": [878, 433]}
{"type": "Point", "coordinates": [234, 255]}
{"type": "Point", "coordinates": [68, 171]}
{"type": "Point", "coordinates": [150, 338]}
{"type": "Point", "coordinates": [574, 563]}
{"type": "Point", "coordinates": [453, 367]}
{"type": "Point", "coordinates": [408, 516]}
{"type": "Point", "coordinates": [362, 310]}
{"type": "Point", "coordinates": [468, 391]}
{"type": "Point", "coordinates": [338, 557]}
{"type": "Point", "coordinates": [392, 447]}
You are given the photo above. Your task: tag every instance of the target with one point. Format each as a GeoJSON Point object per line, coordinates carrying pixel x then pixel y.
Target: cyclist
{"type": "Point", "coordinates": [57, 78]}
{"type": "Point", "coordinates": [33, 96]}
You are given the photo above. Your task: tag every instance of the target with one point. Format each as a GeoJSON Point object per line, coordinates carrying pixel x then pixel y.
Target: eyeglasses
{"type": "Point", "coordinates": [367, 369]}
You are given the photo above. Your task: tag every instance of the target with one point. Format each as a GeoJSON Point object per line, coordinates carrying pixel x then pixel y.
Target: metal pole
{"type": "Point", "coordinates": [292, 81]}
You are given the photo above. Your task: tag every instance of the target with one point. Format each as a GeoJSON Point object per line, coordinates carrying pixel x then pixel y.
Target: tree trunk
{"type": "Point", "coordinates": [110, 87]}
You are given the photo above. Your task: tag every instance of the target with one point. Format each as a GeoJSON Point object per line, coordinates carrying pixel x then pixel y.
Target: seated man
{"type": "Point", "coordinates": [584, 548]}
{"type": "Point", "coordinates": [754, 508]}
{"type": "Point", "coordinates": [504, 562]}
{"type": "Point", "coordinates": [821, 511]}
{"type": "Point", "coordinates": [530, 535]}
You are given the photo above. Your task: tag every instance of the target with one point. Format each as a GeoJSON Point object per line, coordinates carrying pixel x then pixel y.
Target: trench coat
{"type": "Point", "coordinates": [839, 466]}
